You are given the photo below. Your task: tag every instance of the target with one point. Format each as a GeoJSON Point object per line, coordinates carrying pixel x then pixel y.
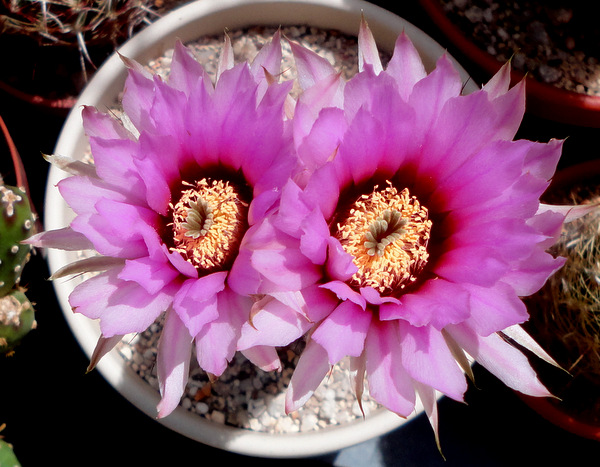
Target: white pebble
{"type": "Point", "coordinates": [202, 408]}
{"type": "Point", "coordinates": [218, 417]}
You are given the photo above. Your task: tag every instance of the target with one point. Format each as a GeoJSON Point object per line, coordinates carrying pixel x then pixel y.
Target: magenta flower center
{"type": "Point", "coordinates": [209, 221]}
{"type": "Point", "coordinates": [387, 233]}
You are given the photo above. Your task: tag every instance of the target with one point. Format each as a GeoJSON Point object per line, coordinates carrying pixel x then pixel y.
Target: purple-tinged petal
{"type": "Point", "coordinates": [268, 58]}
{"type": "Point", "coordinates": [137, 98]}
{"type": "Point", "coordinates": [186, 71]}
{"type": "Point", "coordinates": [266, 358]}
{"type": "Point", "coordinates": [389, 383]}
{"type": "Point", "coordinates": [533, 272]}
{"type": "Point", "coordinates": [322, 137]}
{"type": "Point", "coordinates": [344, 331]}
{"type": "Point", "coordinates": [494, 308]}
{"type": "Point", "coordinates": [315, 238]}
{"type": "Point", "coordinates": [173, 360]}
{"type": "Point", "coordinates": [196, 301]}
{"type": "Point", "coordinates": [437, 303]}
{"type": "Point", "coordinates": [123, 307]}
{"type": "Point", "coordinates": [308, 374]}
{"type": "Point", "coordinates": [430, 94]}
{"type": "Point", "coordinates": [311, 66]}
{"type": "Point", "coordinates": [151, 275]}
{"type": "Point", "coordinates": [405, 66]}
{"type": "Point", "coordinates": [274, 325]}
{"type": "Point", "coordinates": [344, 292]}
{"type": "Point", "coordinates": [82, 193]}
{"type": "Point", "coordinates": [102, 125]}
{"type": "Point", "coordinates": [114, 161]}
{"type": "Point", "coordinates": [216, 342]}
{"type": "Point", "coordinates": [340, 265]}
{"type": "Point", "coordinates": [474, 264]}
{"type": "Point", "coordinates": [499, 84]}
{"type": "Point", "coordinates": [373, 297]}
{"type": "Point", "coordinates": [500, 358]}
{"type": "Point", "coordinates": [427, 359]}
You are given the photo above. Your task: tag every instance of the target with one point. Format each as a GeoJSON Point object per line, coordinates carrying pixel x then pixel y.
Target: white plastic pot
{"type": "Point", "coordinates": [188, 23]}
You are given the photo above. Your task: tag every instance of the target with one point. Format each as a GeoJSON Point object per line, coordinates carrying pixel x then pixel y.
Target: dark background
{"type": "Point", "coordinates": [56, 413]}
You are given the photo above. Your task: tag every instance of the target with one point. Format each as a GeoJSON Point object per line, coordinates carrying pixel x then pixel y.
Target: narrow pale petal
{"type": "Point", "coordinates": [312, 368]}
{"type": "Point", "coordinates": [264, 357]}
{"type": "Point", "coordinates": [173, 361]}
{"type": "Point", "coordinates": [92, 264]}
{"type": "Point", "coordinates": [367, 49]}
{"type": "Point", "coordinates": [61, 239]}
{"type": "Point", "coordinates": [103, 346]}
{"type": "Point", "coordinates": [501, 359]}
{"type": "Point", "coordinates": [389, 383]}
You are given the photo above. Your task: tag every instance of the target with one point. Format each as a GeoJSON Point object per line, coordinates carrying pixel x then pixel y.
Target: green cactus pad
{"type": "Point", "coordinates": [17, 318]}
{"type": "Point", "coordinates": [17, 222]}
{"type": "Point", "coordinates": [7, 456]}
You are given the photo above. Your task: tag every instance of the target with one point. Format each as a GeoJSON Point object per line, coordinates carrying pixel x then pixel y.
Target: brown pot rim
{"type": "Point", "coordinates": [543, 99]}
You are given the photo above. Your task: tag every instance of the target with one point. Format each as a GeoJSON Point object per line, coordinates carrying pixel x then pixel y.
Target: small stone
{"type": "Point", "coordinates": [218, 417]}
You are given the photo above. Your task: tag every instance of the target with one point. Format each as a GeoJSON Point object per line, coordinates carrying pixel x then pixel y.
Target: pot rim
{"type": "Point", "coordinates": [187, 23]}
{"type": "Point", "coordinates": [565, 106]}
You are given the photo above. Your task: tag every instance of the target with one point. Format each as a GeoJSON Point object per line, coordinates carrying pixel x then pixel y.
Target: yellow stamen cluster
{"type": "Point", "coordinates": [387, 233]}
{"type": "Point", "coordinates": [208, 223]}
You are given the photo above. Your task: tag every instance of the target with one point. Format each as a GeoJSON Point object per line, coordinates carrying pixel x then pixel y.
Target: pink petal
{"type": "Point", "coordinates": [137, 98]}
{"type": "Point", "coordinates": [216, 342]}
{"type": "Point", "coordinates": [196, 301]}
{"type": "Point", "coordinates": [121, 306]}
{"type": "Point", "coordinates": [114, 161]}
{"type": "Point", "coordinates": [437, 302]}
{"type": "Point", "coordinates": [405, 66]}
{"type": "Point", "coordinates": [151, 275]}
{"type": "Point", "coordinates": [274, 324]}
{"type": "Point", "coordinates": [343, 332]}
{"type": "Point", "coordinates": [494, 308]}
{"type": "Point", "coordinates": [389, 383]}
{"type": "Point", "coordinates": [340, 265]}
{"type": "Point", "coordinates": [264, 357]}
{"type": "Point", "coordinates": [186, 71]}
{"type": "Point", "coordinates": [344, 292]}
{"type": "Point", "coordinates": [310, 371]}
{"type": "Point", "coordinates": [427, 359]}
{"type": "Point", "coordinates": [173, 360]}
{"type": "Point", "coordinates": [268, 58]}
{"type": "Point", "coordinates": [102, 125]}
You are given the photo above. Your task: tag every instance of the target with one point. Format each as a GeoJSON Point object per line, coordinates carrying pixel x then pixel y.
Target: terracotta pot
{"type": "Point", "coordinates": [544, 100]}
{"type": "Point", "coordinates": [553, 409]}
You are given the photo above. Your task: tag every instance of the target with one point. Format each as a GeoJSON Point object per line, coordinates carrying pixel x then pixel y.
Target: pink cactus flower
{"type": "Point", "coordinates": [424, 217]}
{"type": "Point", "coordinates": [167, 202]}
